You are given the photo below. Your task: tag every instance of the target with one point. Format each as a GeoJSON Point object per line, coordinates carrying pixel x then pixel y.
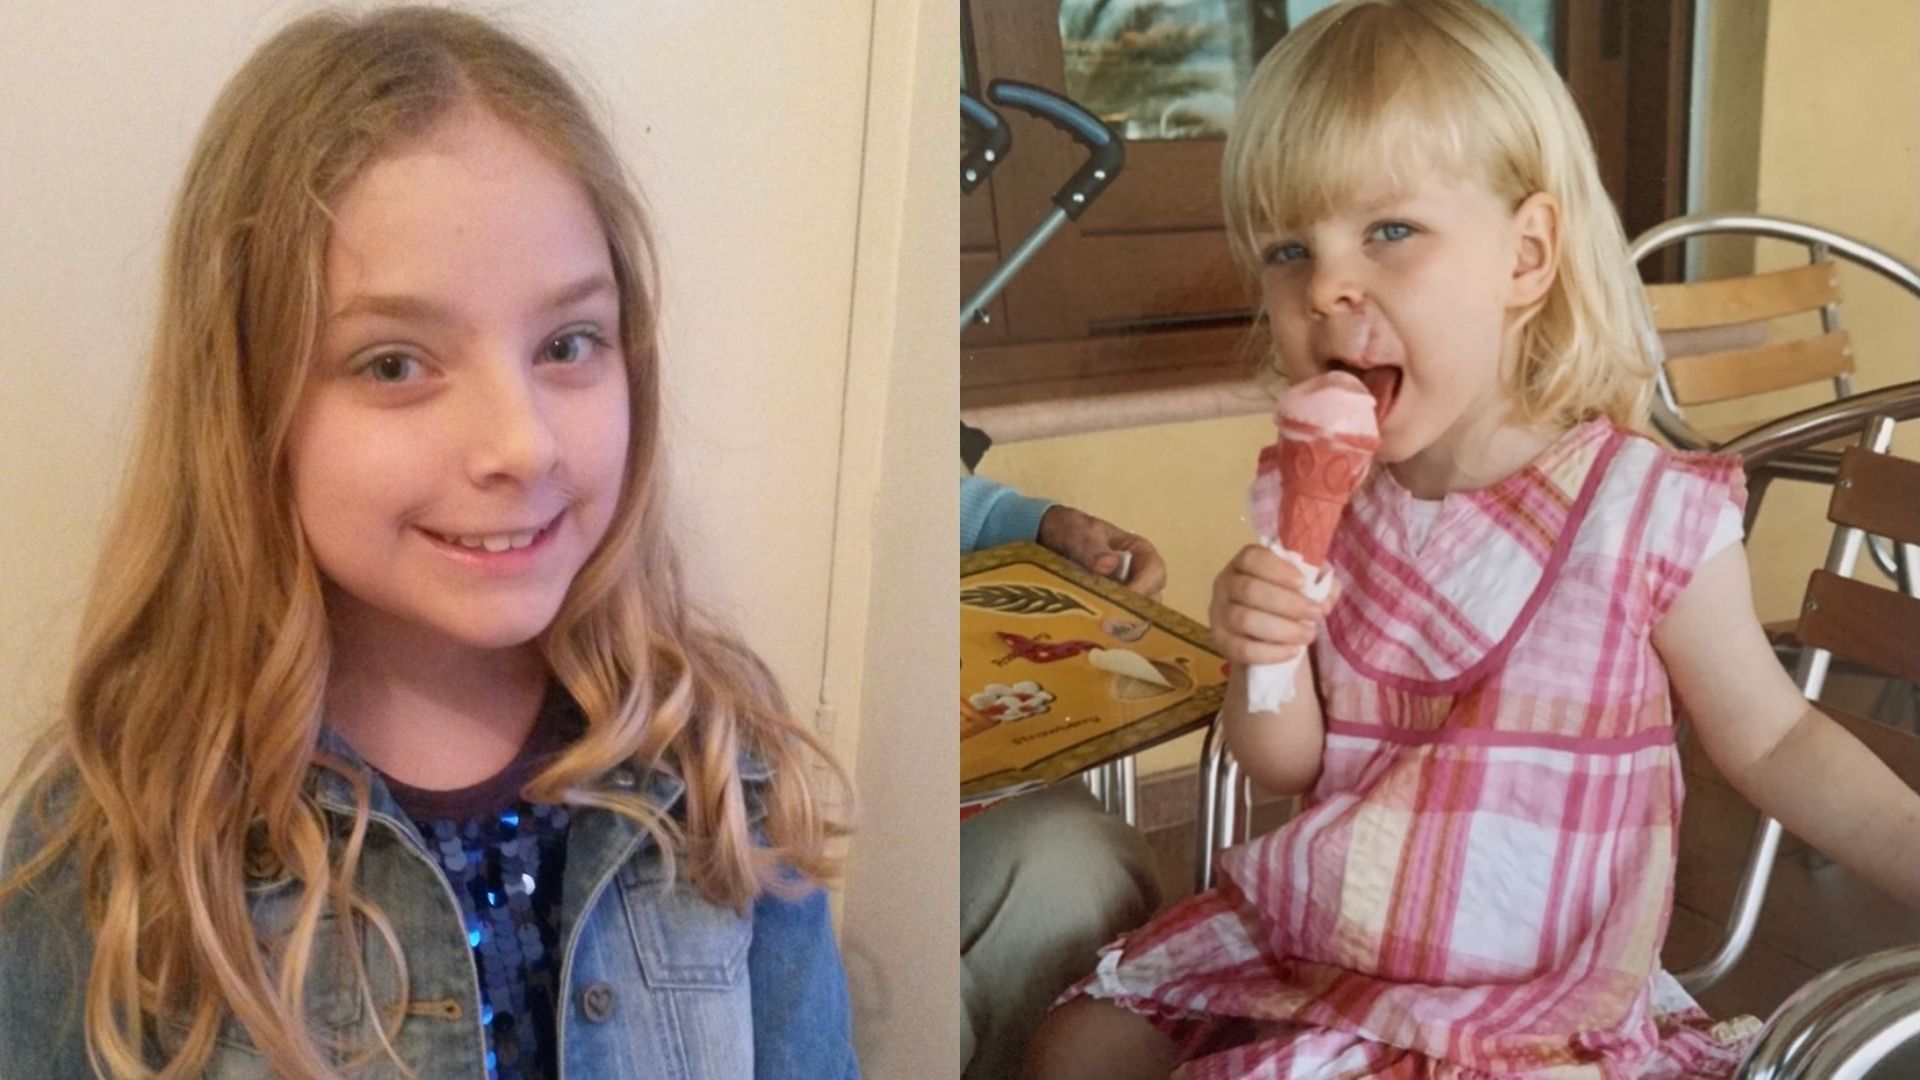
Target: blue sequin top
{"type": "Point", "coordinates": [506, 858]}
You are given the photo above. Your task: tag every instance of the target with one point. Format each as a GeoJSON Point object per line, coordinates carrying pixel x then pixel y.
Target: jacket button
{"type": "Point", "coordinates": [596, 1002]}
{"type": "Point", "coordinates": [262, 864]}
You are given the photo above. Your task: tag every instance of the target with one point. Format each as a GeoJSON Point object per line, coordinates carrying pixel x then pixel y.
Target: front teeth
{"type": "Point", "coordinates": [497, 543]}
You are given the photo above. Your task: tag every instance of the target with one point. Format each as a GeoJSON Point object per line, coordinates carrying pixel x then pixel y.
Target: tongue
{"type": "Point", "coordinates": [1380, 382]}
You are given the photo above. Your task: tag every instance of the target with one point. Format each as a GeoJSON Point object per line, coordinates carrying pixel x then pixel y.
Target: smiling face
{"type": "Point", "coordinates": [1413, 290]}
{"type": "Point", "coordinates": [460, 447]}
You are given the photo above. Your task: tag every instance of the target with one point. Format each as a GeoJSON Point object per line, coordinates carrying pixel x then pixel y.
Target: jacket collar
{"type": "Point", "coordinates": [660, 787]}
{"type": "Point", "coordinates": [335, 792]}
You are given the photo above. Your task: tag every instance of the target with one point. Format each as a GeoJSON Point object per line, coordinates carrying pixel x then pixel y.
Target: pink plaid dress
{"type": "Point", "coordinates": [1483, 874]}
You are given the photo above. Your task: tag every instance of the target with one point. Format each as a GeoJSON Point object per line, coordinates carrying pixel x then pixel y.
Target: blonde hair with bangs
{"type": "Point", "coordinates": [1373, 90]}
{"type": "Point", "coordinates": [191, 718]}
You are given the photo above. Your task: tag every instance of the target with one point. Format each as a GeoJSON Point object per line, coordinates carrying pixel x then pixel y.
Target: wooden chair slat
{"type": "Point", "coordinates": [1719, 376]}
{"type": "Point", "coordinates": [1751, 298]}
{"type": "Point", "coordinates": [1879, 493]}
{"type": "Point", "coordinates": [1877, 627]}
{"type": "Point", "coordinates": [1712, 339]}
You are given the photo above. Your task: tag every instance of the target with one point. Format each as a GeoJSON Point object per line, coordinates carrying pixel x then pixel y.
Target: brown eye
{"type": "Point", "coordinates": [391, 368]}
{"type": "Point", "coordinates": [570, 348]}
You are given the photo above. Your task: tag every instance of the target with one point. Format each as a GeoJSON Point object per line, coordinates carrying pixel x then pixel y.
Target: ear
{"type": "Point", "coordinates": [1536, 251]}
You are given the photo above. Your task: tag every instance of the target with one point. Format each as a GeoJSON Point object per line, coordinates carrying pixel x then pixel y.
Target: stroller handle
{"type": "Point", "coordinates": [1106, 153]}
{"type": "Point", "coordinates": [995, 139]}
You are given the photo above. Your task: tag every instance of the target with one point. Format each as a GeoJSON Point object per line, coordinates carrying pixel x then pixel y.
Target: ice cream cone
{"type": "Point", "coordinates": [1328, 436]}
{"type": "Point", "coordinates": [1317, 477]}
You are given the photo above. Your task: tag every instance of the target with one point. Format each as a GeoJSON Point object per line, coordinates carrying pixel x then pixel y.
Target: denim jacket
{"type": "Point", "coordinates": [658, 981]}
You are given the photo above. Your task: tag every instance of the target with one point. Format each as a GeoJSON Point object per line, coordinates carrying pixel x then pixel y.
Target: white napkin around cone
{"type": "Point", "coordinates": [1270, 686]}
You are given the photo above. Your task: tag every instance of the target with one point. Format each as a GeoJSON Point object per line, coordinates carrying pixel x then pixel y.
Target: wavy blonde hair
{"type": "Point", "coordinates": [1386, 89]}
{"type": "Point", "coordinates": [204, 645]}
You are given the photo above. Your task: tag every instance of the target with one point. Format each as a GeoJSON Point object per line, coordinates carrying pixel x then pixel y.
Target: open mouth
{"type": "Point", "coordinates": [1383, 382]}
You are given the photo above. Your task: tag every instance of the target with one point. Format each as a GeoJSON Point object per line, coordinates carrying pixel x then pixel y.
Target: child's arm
{"type": "Point", "coordinates": [1259, 616]}
{"type": "Point", "coordinates": [1785, 756]}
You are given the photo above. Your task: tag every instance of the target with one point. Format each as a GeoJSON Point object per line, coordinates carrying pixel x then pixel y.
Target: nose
{"type": "Point", "coordinates": [512, 435]}
{"type": "Point", "coordinates": [1336, 286]}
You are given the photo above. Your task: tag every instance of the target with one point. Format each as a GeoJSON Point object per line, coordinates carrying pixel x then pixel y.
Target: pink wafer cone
{"type": "Point", "coordinates": [1318, 474]}
{"type": "Point", "coordinates": [1328, 437]}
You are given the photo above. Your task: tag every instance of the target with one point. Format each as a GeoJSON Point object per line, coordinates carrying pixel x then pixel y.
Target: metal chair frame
{"type": "Point", "coordinates": [1873, 414]}
{"type": "Point", "coordinates": [1808, 463]}
{"type": "Point", "coordinates": [1859, 1013]}
{"type": "Point", "coordinates": [1844, 1023]}
{"type": "Point", "coordinates": [1116, 786]}
{"type": "Point", "coordinates": [1222, 821]}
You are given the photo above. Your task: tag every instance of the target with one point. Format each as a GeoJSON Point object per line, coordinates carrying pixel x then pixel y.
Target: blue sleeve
{"type": "Point", "coordinates": [801, 1024]}
{"type": "Point", "coordinates": [993, 514]}
{"type": "Point", "coordinates": [43, 939]}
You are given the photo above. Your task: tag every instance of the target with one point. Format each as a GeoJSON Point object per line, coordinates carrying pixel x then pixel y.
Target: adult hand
{"type": "Point", "coordinates": [1097, 545]}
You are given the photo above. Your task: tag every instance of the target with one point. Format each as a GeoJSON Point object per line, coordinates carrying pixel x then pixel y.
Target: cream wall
{"type": "Point", "coordinates": [796, 332]}
{"type": "Point", "coordinates": [892, 632]}
{"type": "Point", "coordinates": [1735, 59]}
{"type": "Point", "coordinates": [1838, 132]}
{"type": "Point", "coordinates": [1822, 122]}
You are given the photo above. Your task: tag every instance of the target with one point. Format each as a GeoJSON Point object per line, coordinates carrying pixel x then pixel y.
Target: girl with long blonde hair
{"type": "Point", "coordinates": [393, 745]}
{"type": "Point", "coordinates": [1482, 872]}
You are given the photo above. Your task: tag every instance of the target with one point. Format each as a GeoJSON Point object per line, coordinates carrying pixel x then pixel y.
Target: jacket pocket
{"type": "Point", "coordinates": [235, 1057]}
{"type": "Point", "coordinates": [684, 941]}
{"type": "Point", "coordinates": [333, 1012]}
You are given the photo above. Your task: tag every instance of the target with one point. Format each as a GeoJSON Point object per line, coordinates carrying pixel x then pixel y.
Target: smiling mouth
{"type": "Point", "coordinates": [496, 543]}
{"type": "Point", "coordinates": [1382, 381]}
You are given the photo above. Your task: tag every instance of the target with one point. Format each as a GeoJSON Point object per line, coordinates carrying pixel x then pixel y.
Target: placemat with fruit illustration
{"type": "Point", "coordinates": [1061, 670]}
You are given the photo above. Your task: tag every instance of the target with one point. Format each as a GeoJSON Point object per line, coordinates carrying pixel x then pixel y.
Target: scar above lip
{"type": "Point", "coordinates": [1349, 343]}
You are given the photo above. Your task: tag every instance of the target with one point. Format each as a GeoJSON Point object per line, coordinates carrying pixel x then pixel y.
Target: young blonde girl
{"type": "Point", "coordinates": [1482, 876]}
{"type": "Point", "coordinates": [392, 533]}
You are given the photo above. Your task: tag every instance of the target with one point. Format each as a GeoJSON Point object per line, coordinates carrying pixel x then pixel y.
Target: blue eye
{"type": "Point", "coordinates": [572, 347]}
{"type": "Point", "coordinates": [1392, 231]}
{"type": "Point", "coordinates": [391, 368]}
{"type": "Point", "coordinates": [1290, 251]}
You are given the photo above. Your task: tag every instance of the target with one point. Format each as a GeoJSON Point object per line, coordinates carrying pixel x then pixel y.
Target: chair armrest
{"type": "Point", "coordinates": [1889, 266]}
{"type": "Point", "coordinates": [1808, 428]}
{"type": "Point", "coordinates": [1844, 1022]}
{"type": "Point", "coordinates": [1811, 466]}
